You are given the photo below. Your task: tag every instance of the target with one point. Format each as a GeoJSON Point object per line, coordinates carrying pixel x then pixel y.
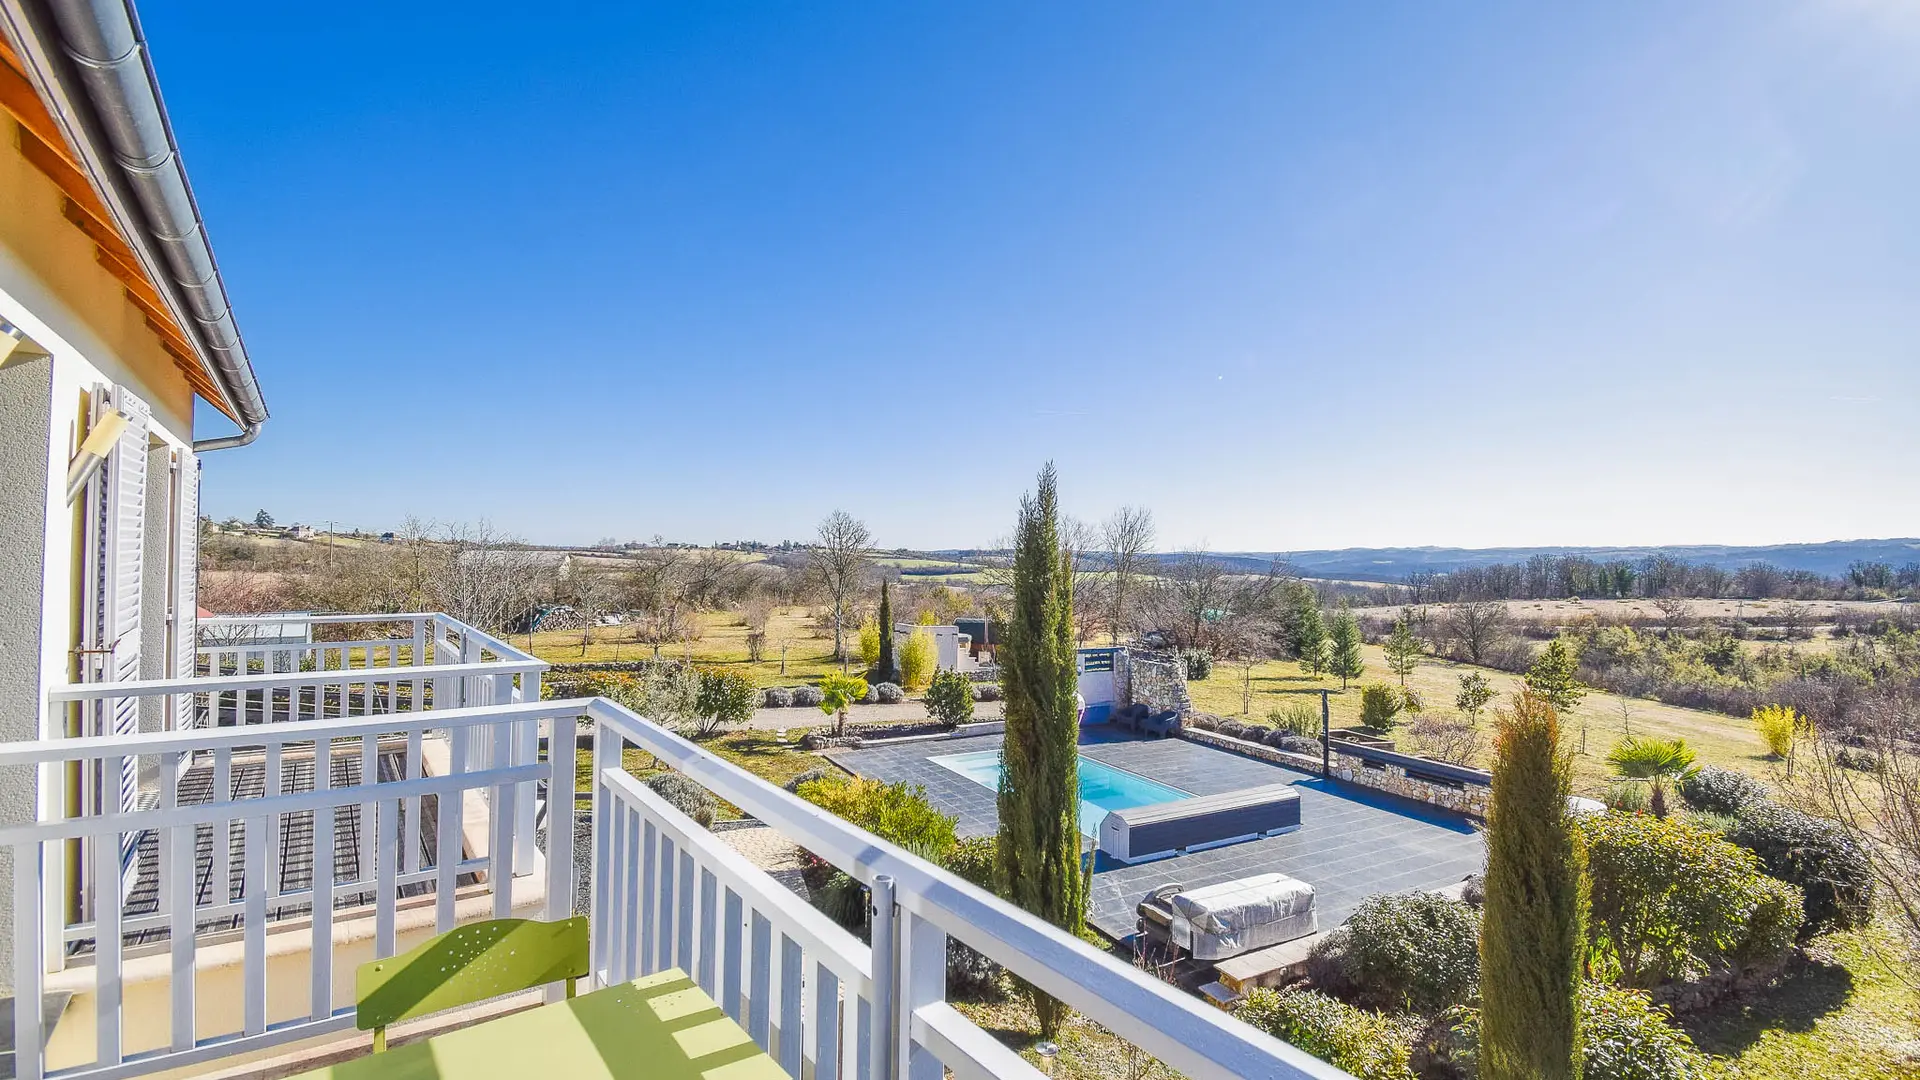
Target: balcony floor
{"type": "Point", "coordinates": [1353, 842]}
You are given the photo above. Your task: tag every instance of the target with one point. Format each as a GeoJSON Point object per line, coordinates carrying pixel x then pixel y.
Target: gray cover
{"type": "Point", "coordinates": [1233, 917]}
{"type": "Point", "coordinates": [1143, 832]}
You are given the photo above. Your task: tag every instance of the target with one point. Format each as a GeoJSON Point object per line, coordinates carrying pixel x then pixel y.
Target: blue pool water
{"type": "Point", "coordinates": [1102, 787]}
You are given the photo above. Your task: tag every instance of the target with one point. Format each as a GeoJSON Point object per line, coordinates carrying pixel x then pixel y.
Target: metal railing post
{"type": "Point", "coordinates": [881, 1052]}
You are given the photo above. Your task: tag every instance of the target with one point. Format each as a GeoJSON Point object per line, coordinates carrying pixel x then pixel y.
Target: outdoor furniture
{"type": "Point", "coordinates": [661, 1027]}
{"type": "Point", "coordinates": [1137, 833]}
{"type": "Point", "coordinates": [1141, 720]}
{"type": "Point", "coordinates": [467, 964]}
{"type": "Point", "coordinates": [1230, 918]}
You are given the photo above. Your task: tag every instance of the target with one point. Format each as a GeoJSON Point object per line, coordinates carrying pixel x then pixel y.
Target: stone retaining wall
{"type": "Point", "coordinates": [1467, 798]}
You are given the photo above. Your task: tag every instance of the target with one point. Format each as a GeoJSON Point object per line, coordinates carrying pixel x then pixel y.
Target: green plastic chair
{"type": "Point", "coordinates": [467, 964]}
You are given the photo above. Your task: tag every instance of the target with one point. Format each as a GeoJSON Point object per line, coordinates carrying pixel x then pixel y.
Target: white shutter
{"type": "Point", "coordinates": [186, 591]}
{"type": "Point", "coordinates": [116, 521]}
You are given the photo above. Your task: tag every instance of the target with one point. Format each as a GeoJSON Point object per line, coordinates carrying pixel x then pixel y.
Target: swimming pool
{"type": "Point", "coordinates": [1102, 787]}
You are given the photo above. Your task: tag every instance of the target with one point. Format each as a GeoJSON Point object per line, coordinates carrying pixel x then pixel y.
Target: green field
{"type": "Point", "coordinates": [1719, 740]}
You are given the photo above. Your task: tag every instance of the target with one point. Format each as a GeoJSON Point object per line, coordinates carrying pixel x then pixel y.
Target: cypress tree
{"type": "Point", "coordinates": [883, 668]}
{"type": "Point", "coordinates": [1037, 854]}
{"type": "Point", "coordinates": [1534, 926]}
{"type": "Point", "coordinates": [1347, 661]}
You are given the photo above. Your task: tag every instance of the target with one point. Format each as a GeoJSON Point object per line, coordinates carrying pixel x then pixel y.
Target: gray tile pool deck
{"type": "Point", "coordinates": [1352, 842]}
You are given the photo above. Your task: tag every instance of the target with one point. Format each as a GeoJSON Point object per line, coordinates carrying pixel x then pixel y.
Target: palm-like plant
{"type": "Point", "coordinates": [1657, 761]}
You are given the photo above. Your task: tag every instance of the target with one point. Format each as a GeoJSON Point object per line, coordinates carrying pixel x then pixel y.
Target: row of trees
{"type": "Point", "coordinates": [1544, 577]}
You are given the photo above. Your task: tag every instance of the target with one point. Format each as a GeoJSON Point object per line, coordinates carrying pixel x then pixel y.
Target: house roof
{"type": "Point", "coordinates": [78, 80]}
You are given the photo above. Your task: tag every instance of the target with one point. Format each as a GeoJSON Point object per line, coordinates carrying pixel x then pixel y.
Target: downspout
{"type": "Point", "coordinates": [104, 43]}
{"type": "Point", "coordinates": [250, 433]}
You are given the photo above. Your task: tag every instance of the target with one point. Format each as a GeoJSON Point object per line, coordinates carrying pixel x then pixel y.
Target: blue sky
{"type": "Point", "coordinates": [1290, 275]}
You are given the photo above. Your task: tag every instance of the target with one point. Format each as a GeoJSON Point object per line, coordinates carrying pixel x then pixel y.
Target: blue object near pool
{"type": "Point", "coordinates": [1102, 787]}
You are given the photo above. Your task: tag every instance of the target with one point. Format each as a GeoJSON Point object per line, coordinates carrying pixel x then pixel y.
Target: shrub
{"type": "Point", "coordinates": [917, 659]}
{"type": "Point", "coordinates": [899, 813]}
{"type": "Point", "coordinates": [681, 793]}
{"type": "Point", "coordinates": [806, 697]}
{"type": "Point", "coordinates": [969, 972]}
{"type": "Point", "coordinates": [869, 644]}
{"type": "Point", "coordinates": [986, 691]}
{"type": "Point", "coordinates": [1204, 721]}
{"type": "Point", "coordinates": [818, 772]}
{"type": "Point", "coordinates": [1624, 1036]}
{"type": "Point", "coordinates": [1445, 738]}
{"type": "Point", "coordinates": [1627, 796]}
{"type": "Point", "coordinates": [1776, 725]}
{"type": "Point", "coordinates": [1379, 705]}
{"type": "Point", "coordinates": [1366, 1044]}
{"type": "Point", "coordinates": [1234, 729]}
{"type": "Point", "coordinates": [1714, 790]}
{"type": "Point", "coordinates": [950, 698]}
{"type": "Point", "coordinates": [1413, 951]}
{"type": "Point", "coordinates": [1199, 664]}
{"type": "Point", "coordinates": [1827, 863]}
{"type": "Point", "coordinates": [887, 693]}
{"type": "Point", "coordinates": [1277, 737]}
{"type": "Point", "coordinates": [1298, 717]}
{"type": "Point", "coordinates": [726, 697]}
{"type": "Point", "coordinates": [777, 697]}
{"type": "Point", "coordinates": [1672, 901]}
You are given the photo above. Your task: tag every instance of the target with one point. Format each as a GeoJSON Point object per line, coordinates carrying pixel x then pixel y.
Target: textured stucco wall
{"type": "Point", "coordinates": [26, 416]}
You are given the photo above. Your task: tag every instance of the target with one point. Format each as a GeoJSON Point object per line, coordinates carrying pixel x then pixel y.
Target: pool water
{"type": "Point", "coordinates": [1102, 787]}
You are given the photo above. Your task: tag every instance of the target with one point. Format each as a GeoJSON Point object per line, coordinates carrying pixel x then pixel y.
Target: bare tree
{"type": "Point", "coordinates": [1205, 604]}
{"type": "Point", "coordinates": [757, 613]}
{"type": "Point", "coordinates": [592, 593]}
{"type": "Point", "coordinates": [1420, 586]}
{"type": "Point", "coordinates": [1128, 537]}
{"type": "Point", "coordinates": [1477, 626]}
{"type": "Point", "coordinates": [1090, 583]}
{"type": "Point", "coordinates": [1864, 773]}
{"type": "Point", "coordinates": [839, 557]}
{"type": "Point", "coordinates": [1676, 610]}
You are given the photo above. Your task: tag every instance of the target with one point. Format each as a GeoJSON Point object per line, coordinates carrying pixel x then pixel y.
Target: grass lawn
{"type": "Point", "coordinates": [1719, 740]}
{"type": "Point", "coordinates": [1847, 1013]}
{"type": "Point", "coordinates": [758, 752]}
{"type": "Point", "coordinates": [723, 640]}
{"type": "Point", "coordinates": [1088, 1051]}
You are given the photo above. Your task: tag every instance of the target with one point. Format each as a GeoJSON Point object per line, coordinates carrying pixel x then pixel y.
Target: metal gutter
{"type": "Point", "coordinates": [100, 41]}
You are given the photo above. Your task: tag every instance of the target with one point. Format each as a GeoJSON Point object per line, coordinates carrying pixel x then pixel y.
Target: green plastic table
{"type": "Point", "coordinates": [662, 1027]}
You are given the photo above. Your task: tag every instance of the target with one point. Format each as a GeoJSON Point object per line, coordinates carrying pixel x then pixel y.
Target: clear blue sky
{"type": "Point", "coordinates": [1290, 275]}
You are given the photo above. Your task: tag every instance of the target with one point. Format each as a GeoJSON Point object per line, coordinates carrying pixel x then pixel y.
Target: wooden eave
{"type": "Point", "coordinates": [45, 147]}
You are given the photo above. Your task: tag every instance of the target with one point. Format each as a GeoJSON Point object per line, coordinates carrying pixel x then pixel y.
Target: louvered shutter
{"type": "Point", "coordinates": [186, 593]}
{"type": "Point", "coordinates": [117, 519]}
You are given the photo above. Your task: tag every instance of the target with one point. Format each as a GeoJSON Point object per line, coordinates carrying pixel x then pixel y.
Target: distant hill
{"type": "Point", "coordinates": [1394, 564]}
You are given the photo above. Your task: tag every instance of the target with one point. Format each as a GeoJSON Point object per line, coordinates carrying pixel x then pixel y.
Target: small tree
{"type": "Point", "coordinates": [262, 520]}
{"type": "Point", "coordinates": [1533, 927]}
{"type": "Point", "coordinates": [1309, 632]}
{"type": "Point", "coordinates": [725, 698]}
{"type": "Point", "coordinates": [1475, 692]}
{"type": "Point", "coordinates": [1404, 648]}
{"type": "Point", "coordinates": [950, 698]}
{"type": "Point", "coordinates": [917, 659]}
{"type": "Point", "coordinates": [867, 643]}
{"type": "Point", "coordinates": [1553, 675]}
{"type": "Point", "coordinates": [839, 558]}
{"type": "Point", "coordinates": [1379, 705]}
{"type": "Point", "coordinates": [1344, 656]}
{"type": "Point", "coordinates": [1655, 760]}
{"type": "Point", "coordinates": [1777, 725]}
{"type": "Point", "coordinates": [882, 661]}
{"type": "Point", "coordinates": [837, 691]}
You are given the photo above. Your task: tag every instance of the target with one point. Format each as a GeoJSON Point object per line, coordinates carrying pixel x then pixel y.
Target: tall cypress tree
{"type": "Point", "coordinates": [883, 668]}
{"type": "Point", "coordinates": [1037, 856]}
{"type": "Point", "coordinates": [1534, 927]}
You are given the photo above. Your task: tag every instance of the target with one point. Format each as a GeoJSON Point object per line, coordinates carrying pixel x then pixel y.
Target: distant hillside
{"type": "Point", "coordinates": [1394, 564]}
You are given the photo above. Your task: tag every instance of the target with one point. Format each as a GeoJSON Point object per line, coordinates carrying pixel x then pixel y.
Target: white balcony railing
{"type": "Point", "coordinates": [664, 892]}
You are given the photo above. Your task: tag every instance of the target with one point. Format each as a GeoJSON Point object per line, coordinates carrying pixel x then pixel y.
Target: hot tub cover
{"type": "Point", "coordinates": [1232, 917]}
